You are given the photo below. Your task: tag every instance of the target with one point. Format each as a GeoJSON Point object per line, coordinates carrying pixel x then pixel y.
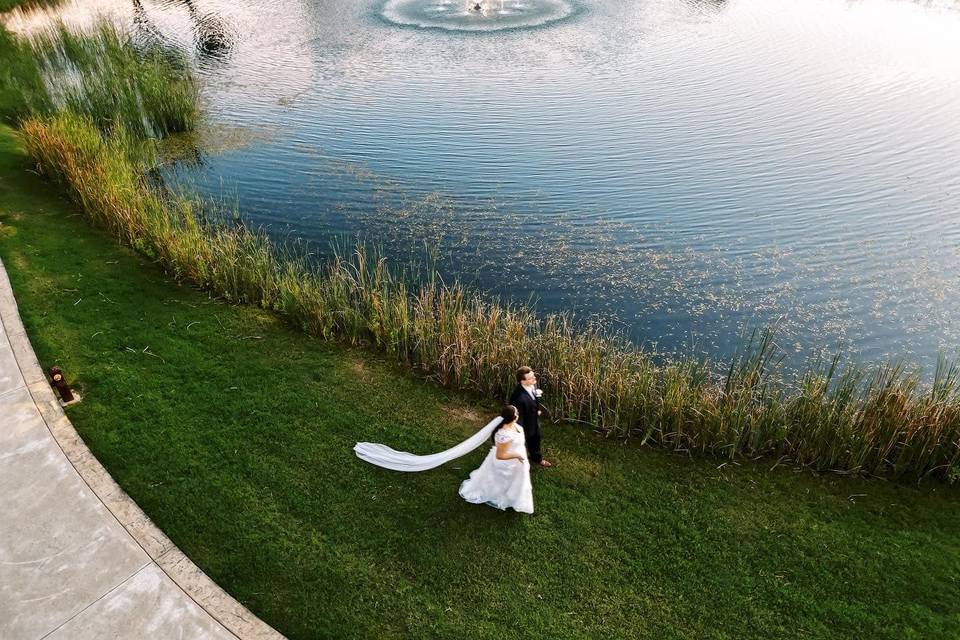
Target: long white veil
{"type": "Point", "coordinates": [383, 456]}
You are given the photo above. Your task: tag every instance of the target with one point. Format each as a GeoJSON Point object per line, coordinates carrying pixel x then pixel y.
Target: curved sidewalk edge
{"type": "Point", "coordinates": [78, 558]}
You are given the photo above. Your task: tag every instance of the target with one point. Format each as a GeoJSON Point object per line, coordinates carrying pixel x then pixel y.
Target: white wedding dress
{"type": "Point", "coordinates": [499, 483]}
{"type": "Point", "coordinates": [502, 483]}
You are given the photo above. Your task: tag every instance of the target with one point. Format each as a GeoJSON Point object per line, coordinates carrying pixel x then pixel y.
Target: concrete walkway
{"type": "Point", "coordinates": [78, 559]}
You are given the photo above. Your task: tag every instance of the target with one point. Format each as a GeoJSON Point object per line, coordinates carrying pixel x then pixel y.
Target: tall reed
{"type": "Point", "coordinates": [22, 88]}
{"type": "Point", "coordinates": [26, 5]}
{"type": "Point", "coordinates": [104, 75]}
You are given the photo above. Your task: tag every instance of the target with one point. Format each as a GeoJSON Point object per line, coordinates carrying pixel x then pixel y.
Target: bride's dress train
{"type": "Point", "coordinates": [383, 456]}
{"type": "Point", "coordinates": [502, 483]}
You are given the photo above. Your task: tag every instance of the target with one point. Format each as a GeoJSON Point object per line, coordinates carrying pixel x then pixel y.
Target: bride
{"type": "Point", "coordinates": [501, 481]}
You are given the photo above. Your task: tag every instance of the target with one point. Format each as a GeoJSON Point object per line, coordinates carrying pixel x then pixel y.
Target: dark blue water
{"type": "Point", "coordinates": [682, 169]}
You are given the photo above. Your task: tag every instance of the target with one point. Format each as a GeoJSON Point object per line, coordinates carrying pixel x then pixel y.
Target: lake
{"type": "Point", "coordinates": [683, 170]}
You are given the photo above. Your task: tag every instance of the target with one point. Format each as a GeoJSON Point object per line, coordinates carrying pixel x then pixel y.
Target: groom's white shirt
{"type": "Point", "coordinates": [531, 391]}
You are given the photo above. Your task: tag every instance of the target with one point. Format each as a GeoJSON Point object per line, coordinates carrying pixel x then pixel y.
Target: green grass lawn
{"type": "Point", "coordinates": [235, 434]}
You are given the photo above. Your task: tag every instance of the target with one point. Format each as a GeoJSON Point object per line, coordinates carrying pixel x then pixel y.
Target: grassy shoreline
{"type": "Point", "coordinates": [234, 433]}
{"type": "Point", "coordinates": [881, 421]}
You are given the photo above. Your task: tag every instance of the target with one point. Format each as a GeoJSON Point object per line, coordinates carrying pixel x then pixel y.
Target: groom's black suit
{"type": "Point", "coordinates": [528, 406]}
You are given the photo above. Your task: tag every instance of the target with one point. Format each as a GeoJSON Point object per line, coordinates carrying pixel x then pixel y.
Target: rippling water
{"type": "Point", "coordinates": [682, 168]}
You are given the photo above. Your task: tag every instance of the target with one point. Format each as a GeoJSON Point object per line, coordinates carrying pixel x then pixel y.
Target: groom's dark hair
{"type": "Point", "coordinates": [522, 373]}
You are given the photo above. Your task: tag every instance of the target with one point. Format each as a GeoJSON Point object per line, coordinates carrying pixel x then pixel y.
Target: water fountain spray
{"type": "Point", "coordinates": [483, 6]}
{"type": "Point", "coordinates": [463, 15]}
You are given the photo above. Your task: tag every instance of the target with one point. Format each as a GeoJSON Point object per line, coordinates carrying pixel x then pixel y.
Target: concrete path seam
{"type": "Point", "coordinates": [105, 594]}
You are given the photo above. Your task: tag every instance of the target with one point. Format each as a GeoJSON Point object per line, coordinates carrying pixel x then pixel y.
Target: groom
{"type": "Point", "coordinates": [526, 399]}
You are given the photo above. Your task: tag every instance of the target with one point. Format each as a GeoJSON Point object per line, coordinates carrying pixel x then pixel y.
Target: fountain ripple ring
{"type": "Point", "coordinates": [463, 15]}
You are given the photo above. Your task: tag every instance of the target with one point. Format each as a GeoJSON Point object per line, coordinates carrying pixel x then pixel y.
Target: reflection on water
{"type": "Point", "coordinates": [682, 168]}
{"type": "Point", "coordinates": [212, 36]}
{"type": "Point", "coordinates": [210, 33]}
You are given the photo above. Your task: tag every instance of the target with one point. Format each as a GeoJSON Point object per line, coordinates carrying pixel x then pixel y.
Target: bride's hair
{"type": "Point", "coordinates": [509, 414]}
